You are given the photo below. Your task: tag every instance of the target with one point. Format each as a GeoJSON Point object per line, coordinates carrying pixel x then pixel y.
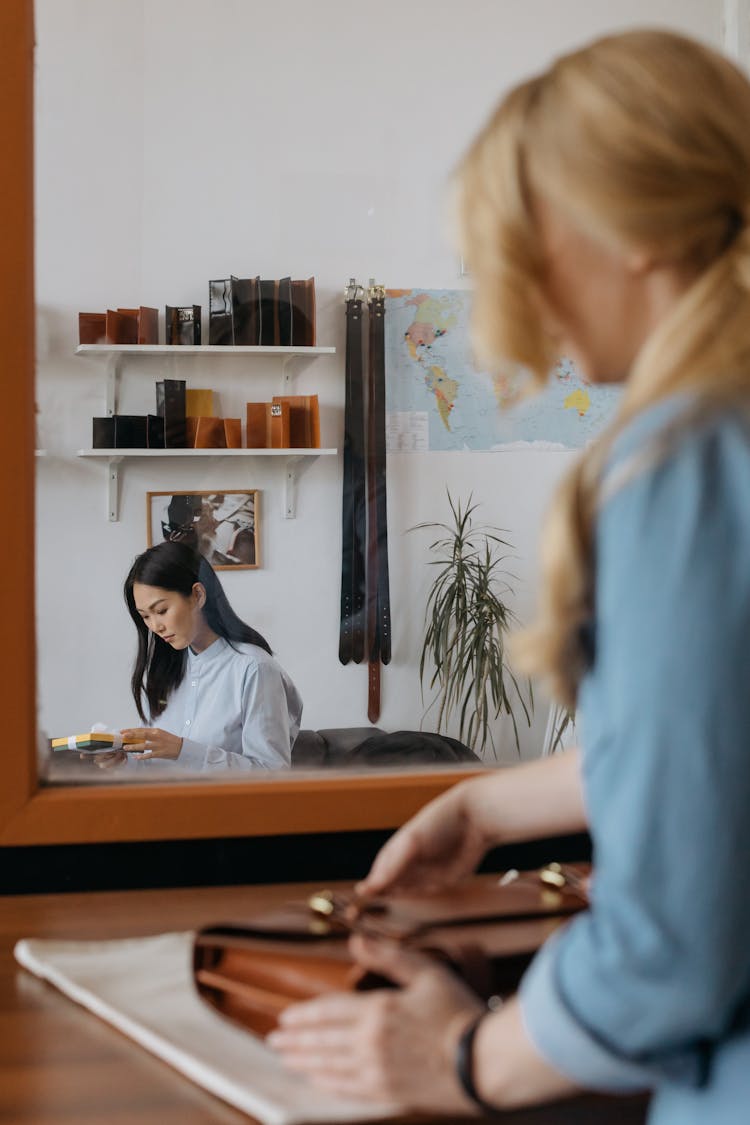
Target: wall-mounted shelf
{"type": "Point", "coordinates": [293, 359]}
{"type": "Point", "coordinates": [116, 355]}
{"type": "Point", "coordinates": [296, 461]}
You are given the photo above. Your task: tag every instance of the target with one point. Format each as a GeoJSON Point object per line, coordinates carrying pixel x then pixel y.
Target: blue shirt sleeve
{"type": "Point", "coordinates": [643, 985]}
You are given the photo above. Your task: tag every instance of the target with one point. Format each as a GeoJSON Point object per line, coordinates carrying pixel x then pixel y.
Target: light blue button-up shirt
{"type": "Point", "coordinates": [236, 708]}
{"type": "Point", "coordinates": [651, 987]}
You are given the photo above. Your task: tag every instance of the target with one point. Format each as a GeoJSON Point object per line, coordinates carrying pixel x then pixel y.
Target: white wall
{"type": "Point", "coordinates": [178, 141]}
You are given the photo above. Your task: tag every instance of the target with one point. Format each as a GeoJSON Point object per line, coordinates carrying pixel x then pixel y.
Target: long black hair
{"type": "Point", "coordinates": [159, 668]}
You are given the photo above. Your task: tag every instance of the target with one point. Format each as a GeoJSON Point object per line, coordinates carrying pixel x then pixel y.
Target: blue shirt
{"type": "Point", "coordinates": [650, 988]}
{"type": "Point", "coordinates": [236, 708]}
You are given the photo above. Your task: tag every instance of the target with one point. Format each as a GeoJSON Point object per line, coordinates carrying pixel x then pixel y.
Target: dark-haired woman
{"type": "Point", "coordinates": [206, 682]}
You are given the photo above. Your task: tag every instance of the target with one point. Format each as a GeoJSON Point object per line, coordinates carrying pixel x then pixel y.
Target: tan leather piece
{"type": "Point", "coordinates": [92, 328]}
{"type": "Point", "coordinates": [205, 433]}
{"type": "Point", "coordinates": [267, 425]}
{"type": "Point", "coordinates": [304, 420]}
{"type": "Point", "coordinates": [121, 326]}
{"type": "Point", "coordinates": [199, 403]}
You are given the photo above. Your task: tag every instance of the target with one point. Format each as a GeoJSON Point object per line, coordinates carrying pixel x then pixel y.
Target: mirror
{"type": "Point", "coordinates": [177, 144]}
{"type": "Point", "coordinates": [197, 158]}
{"type": "Point", "coordinates": [33, 814]}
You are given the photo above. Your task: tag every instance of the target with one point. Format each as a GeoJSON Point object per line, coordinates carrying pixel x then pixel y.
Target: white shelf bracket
{"type": "Point", "coordinates": [291, 366]}
{"type": "Point", "coordinates": [295, 467]}
{"type": "Point", "coordinates": [113, 489]}
{"type": "Point", "coordinates": [113, 383]}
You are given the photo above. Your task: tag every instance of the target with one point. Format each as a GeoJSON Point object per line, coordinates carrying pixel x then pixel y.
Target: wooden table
{"type": "Point", "coordinates": [60, 1065]}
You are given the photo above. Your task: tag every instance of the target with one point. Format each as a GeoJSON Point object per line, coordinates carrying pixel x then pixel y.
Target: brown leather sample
{"type": "Point", "coordinates": [183, 324]}
{"type": "Point", "coordinates": [304, 420]}
{"type": "Point", "coordinates": [303, 313]}
{"type": "Point", "coordinates": [256, 425]}
{"type": "Point", "coordinates": [277, 424]}
{"type": "Point", "coordinates": [103, 433]}
{"type": "Point", "coordinates": [92, 328]}
{"type": "Point", "coordinates": [268, 425]}
{"type": "Point", "coordinates": [208, 433]}
{"type": "Point", "coordinates": [148, 325]}
{"type": "Point", "coordinates": [233, 432]}
{"type": "Point", "coordinates": [121, 326]}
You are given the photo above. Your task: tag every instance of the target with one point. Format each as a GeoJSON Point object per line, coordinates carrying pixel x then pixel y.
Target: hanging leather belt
{"type": "Point", "coordinates": [378, 592]}
{"type": "Point", "coordinates": [353, 521]}
{"type": "Point", "coordinates": [365, 618]}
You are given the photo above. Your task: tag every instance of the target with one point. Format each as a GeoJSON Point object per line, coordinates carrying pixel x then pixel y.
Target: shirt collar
{"type": "Point", "coordinates": [214, 650]}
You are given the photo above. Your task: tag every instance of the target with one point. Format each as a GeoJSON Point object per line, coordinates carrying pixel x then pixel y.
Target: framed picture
{"type": "Point", "coordinates": [223, 526]}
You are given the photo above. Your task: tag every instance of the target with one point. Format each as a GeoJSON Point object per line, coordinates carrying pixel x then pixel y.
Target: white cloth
{"type": "Point", "coordinates": [143, 987]}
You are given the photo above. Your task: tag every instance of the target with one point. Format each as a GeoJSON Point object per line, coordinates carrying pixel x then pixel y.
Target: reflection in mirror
{"type": "Point", "coordinates": [288, 142]}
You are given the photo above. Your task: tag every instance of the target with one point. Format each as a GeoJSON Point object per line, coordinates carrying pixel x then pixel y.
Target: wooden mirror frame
{"type": "Point", "coordinates": [30, 814]}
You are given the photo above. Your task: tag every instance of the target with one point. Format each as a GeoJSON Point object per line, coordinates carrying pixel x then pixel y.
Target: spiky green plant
{"type": "Point", "coordinates": [466, 626]}
{"type": "Point", "coordinates": [563, 719]}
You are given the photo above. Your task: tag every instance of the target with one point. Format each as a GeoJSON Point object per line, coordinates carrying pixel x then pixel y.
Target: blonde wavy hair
{"type": "Point", "coordinates": [643, 139]}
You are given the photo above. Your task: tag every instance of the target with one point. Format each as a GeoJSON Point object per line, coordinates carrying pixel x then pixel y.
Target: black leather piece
{"type": "Point", "coordinates": [103, 433]}
{"type": "Point", "coordinates": [285, 311]}
{"type": "Point", "coordinates": [175, 432]}
{"type": "Point", "coordinates": [130, 431]}
{"type": "Point", "coordinates": [378, 594]}
{"type": "Point", "coordinates": [183, 324]}
{"type": "Point", "coordinates": [220, 312]}
{"type": "Point", "coordinates": [377, 432]}
{"type": "Point", "coordinates": [269, 319]}
{"type": "Point", "coordinates": [246, 310]}
{"type": "Point", "coordinates": [303, 312]}
{"type": "Point", "coordinates": [155, 434]}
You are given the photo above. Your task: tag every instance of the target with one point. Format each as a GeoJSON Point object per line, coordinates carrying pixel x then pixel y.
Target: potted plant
{"type": "Point", "coordinates": [466, 626]}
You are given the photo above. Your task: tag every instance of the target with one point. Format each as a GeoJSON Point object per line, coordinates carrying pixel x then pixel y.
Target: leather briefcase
{"type": "Point", "coordinates": [485, 930]}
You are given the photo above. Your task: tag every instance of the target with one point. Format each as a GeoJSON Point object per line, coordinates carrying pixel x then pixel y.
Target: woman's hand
{"type": "Point", "coordinates": [152, 742]}
{"type": "Point", "coordinates": [446, 840]}
{"type": "Point", "coordinates": [106, 761]}
{"type": "Point", "coordinates": [436, 848]}
{"type": "Point", "coordinates": [391, 1046]}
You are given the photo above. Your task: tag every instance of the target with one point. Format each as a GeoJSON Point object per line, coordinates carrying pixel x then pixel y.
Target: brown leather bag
{"type": "Point", "coordinates": [485, 930]}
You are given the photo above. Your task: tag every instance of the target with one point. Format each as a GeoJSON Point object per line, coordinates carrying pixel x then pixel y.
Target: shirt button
{"type": "Point", "coordinates": [187, 722]}
{"type": "Point", "coordinates": [194, 683]}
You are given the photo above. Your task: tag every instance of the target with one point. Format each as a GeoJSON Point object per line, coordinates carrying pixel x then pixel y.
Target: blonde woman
{"type": "Point", "coordinates": [606, 215]}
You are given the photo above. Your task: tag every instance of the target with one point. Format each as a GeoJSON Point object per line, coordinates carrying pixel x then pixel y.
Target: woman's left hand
{"type": "Point", "coordinates": [396, 1046]}
{"type": "Point", "coordinates": [152, 742]}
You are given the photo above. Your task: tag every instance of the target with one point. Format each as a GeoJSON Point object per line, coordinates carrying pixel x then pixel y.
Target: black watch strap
{"type": "Point", "coordinates": [465, 1067]}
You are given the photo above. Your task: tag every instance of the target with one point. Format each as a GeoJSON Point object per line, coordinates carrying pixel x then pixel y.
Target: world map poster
{"type": "Point", "coordinates": [436, 399]}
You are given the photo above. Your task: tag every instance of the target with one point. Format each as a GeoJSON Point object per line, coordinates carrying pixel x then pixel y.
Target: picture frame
{"type": "Point", "coordinates": [222, 525]}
